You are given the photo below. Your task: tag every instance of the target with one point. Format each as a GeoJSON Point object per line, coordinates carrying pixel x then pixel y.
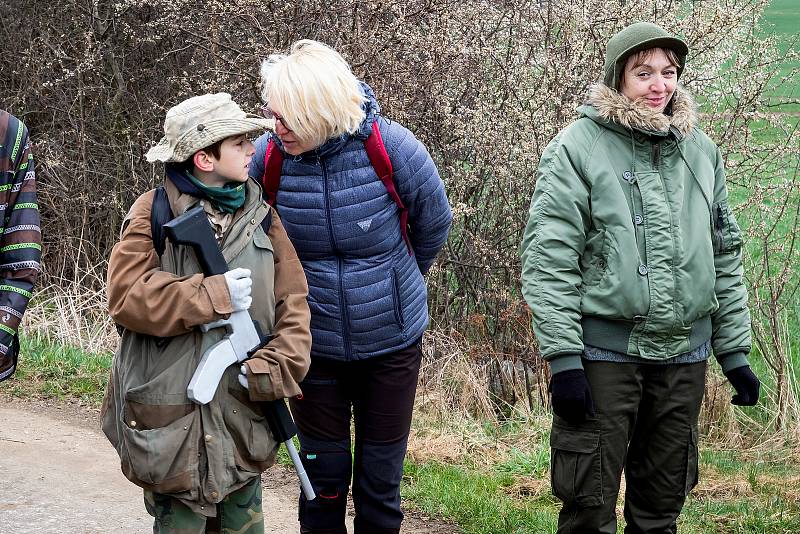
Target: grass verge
{"type": "Point", "coordinates": [489, 478]}
{"type": "Point", "coordinates": [54, 370]}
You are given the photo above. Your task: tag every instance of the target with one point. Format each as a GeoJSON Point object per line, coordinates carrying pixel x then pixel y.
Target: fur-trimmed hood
{"type": "Point", "coordinates": [612, 106]}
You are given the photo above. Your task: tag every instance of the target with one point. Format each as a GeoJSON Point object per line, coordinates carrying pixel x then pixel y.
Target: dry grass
{"type": "Point", "coordinates": [69, 312]}
{"type": "Point", "coordinates": [714, 485]}
{"type": "Point", "coordinates": [529, 487]}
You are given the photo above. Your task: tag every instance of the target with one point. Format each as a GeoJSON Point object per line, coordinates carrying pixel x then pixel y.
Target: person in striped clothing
{"type": "Point", "coordinates": [20, 235]}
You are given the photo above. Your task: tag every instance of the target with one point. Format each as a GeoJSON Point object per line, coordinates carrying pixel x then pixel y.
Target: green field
{"type": "Point", "coordinates": [782, 18]}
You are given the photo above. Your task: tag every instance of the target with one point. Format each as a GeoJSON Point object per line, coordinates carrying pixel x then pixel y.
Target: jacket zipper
{"type": "Point", "coordinates": [340, 268]}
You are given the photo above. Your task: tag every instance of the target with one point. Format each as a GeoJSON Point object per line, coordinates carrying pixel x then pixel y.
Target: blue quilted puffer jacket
{"type": "Point", "coordinates": [366, 291]}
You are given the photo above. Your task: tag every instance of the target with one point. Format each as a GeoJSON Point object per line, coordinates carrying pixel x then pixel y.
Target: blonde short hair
{"type": "Point", "coordinates": [314, 90]}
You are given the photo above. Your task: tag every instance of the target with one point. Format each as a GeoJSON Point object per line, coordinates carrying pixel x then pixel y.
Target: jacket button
{"type": "Point", "coordinates": [629, 177]}
{"type": "Point", "coordinates": [133, 424]}
{"type": "Point", "coordinates": [638, 318]}
{"type": "Point", "coordinates": [643, 270]}
{"type": "Point", "coordinates": [208, 437]}
{"type": "Point", "coordinates": [252, 221]}
{"type": "Point", "coordinates": [638, 219]}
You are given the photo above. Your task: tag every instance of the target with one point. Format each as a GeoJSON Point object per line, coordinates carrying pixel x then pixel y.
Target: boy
{"type": "Point", "coordinates": [199, 464]}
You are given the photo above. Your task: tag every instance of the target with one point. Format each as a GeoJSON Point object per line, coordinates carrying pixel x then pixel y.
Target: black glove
{"type": "Point", "coordinates": [572, 398]}
{"type": "Point", "coordinates": [746, 385]}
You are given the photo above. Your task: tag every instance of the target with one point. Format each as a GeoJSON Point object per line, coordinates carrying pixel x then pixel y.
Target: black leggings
{"type": "Point", "coordinates": [380, 392]}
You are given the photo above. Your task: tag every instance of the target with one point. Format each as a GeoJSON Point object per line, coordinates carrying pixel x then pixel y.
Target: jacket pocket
{"type": "Point", "coordinates": [260, 239]}
{"type": "Point", "coordinates": [726, 234]}
{"type": "Point", "coordinates": [254, 447]}
{"type": "Point", "coordinates": [692, 463]}
{"type": "Point", "coordinates": [575, 466]}
{"type": "Point", "coordinates": [160, 458]}
{"type": "Point", "coordinates": [595, 260]}
{"type": "Point", "coordinates": [398, 309]}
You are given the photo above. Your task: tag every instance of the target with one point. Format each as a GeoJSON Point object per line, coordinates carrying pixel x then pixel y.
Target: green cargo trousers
{"type": "Point", "coordinates": [238, 513]}
{"type": "Point", "coordinates": [646, 424]}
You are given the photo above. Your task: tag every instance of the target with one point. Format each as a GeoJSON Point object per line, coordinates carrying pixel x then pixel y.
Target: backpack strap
{"type": "Point", "coordinates": [160, 214]}
{"type": "Point", "coordinates": [273, 166]}
{"type": "Point", "coordinates": [379, 158]}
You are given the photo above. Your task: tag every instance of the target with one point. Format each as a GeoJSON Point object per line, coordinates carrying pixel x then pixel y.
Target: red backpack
{"type": "Point", "coordinates": [378, 157]}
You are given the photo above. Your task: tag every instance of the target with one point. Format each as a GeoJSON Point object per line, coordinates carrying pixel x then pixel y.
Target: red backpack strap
{"type": "Point", "coordinates": [379, 158]}
{"type": "Point", "coordinates": [273, 166]}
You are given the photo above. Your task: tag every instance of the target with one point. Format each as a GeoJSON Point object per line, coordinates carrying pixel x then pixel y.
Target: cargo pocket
{"type": "Point", "coordinates": [575, 466]}
{"type": "Point", "coordinates": [254, 447]}
{"type": "Point", "coordinates": [726, 234]}
{"type": "Point", "coordinates": [692, 463]}
{"type": "Point", "coordinates": [160, 458]}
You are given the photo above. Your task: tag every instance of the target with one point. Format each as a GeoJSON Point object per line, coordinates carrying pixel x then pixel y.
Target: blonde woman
{"type": "Point", "coordinates": [365, 244]}
{"type": "Point", "coordinates": [632, 267]}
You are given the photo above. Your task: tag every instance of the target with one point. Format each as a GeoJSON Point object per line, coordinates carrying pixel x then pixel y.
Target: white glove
{"type": "Point", "coordinates": [243, 376]}
{"type": "Point", "coordinates": [239, 286]}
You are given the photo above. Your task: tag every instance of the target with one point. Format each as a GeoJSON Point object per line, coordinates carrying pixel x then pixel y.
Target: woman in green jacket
{"type": "Point", "coordinates": [631, 263]}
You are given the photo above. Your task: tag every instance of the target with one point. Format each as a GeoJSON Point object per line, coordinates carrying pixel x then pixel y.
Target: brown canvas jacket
{"type": "Point", "coordinates": [167, 443]}
{"type": "Point", "coordinates": [144, 299]}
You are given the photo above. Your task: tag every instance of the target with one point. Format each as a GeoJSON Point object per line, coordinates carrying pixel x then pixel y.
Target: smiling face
{"type": "Point", "coordinates": [650, 76]}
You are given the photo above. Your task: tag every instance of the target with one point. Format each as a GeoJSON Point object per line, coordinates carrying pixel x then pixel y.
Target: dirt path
{"type": "Point", "coordinates": [60, 475]}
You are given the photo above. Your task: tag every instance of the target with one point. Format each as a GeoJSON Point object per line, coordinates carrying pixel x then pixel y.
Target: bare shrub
{"type": "Point", "coordinates": [484, 84]}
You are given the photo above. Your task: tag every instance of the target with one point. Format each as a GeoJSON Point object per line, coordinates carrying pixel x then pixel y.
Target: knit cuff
{"type": "Point", "coordinates": [565, 362]}
{"type": "Point", "coordinates": [732, 360]}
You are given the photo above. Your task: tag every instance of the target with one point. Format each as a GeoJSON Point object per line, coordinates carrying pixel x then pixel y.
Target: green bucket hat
{"type": "Point", "coordinates": [635, 38]}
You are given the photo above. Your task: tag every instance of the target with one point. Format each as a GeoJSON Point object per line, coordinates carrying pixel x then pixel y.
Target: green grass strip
{"type": "Point", "coordinates": [5, 328]}
{"type": "Point", "coordinates": [18, 246]}
{"type": "Point", "coordinates": [6, 287]}
{"type": "Point", "coordinates": [48, 369]}
{"type": "Point", "coordinates": [15, 151]}
{"type": "Point", "coordinates": [477, 502]}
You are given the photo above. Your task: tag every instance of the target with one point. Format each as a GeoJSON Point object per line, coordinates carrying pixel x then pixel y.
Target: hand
{"type": "Point", "coordinates": [239, 287]}
{"type": "Point", "coordinates": [746, 385]}
{"type": "Point", "coordinates": [572, 397]}
{"type": "Point", "coordinates": [243, 376]}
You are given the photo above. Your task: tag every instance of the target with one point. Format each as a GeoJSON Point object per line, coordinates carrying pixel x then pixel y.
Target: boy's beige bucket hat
{"type": "Point", "coordinates": [201, 121]}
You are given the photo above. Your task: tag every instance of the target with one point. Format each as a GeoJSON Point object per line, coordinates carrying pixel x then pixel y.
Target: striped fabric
{"type": "Point", "coordinates": [20, 235]}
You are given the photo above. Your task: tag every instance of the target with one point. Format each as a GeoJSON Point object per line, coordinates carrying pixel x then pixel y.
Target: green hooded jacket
{"type": "Point", "coordinates": [631, 245]}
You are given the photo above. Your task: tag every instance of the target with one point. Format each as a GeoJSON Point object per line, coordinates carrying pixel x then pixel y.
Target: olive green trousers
{"type": "Point", "coordinates": [646, 425]}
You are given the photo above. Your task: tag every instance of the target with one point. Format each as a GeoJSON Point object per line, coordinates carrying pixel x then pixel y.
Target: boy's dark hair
{"type": "Point", "coordinates": [213, 149]}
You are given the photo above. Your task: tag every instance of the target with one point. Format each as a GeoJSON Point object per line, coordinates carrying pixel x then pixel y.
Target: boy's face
{"type": "Point", "coordinates": [235, 154]}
